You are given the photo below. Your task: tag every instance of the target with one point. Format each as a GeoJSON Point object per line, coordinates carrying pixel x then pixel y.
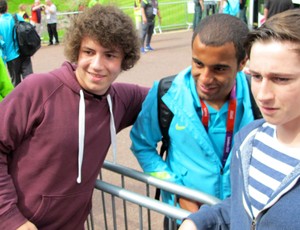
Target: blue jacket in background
{"type": "Point", "coordinates": [282, 210]}
{"type": "Point", "coordinates": [231, 7]}
{"type": "Point", "coordinates": [8, 35]}
{"type": "Point", "coordinates": [192, 160]}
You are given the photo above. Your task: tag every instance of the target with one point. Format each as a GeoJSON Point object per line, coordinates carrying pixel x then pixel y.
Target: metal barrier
{"type": "Point", "coordinates": [123, 205]}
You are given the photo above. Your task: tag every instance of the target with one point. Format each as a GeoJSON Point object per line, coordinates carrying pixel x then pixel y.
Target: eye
{"type": "Point", "coordinates": [220, 68]}
{"type": "Point", "coordinates": [110, 55]}
{"type": "Point", "coordinates": [256, 77]}
{"type": "Point", "coordinates": [280, 79]}
{"type": "Point", "coordinates": [87, 52]}
{"type": "Point", "coordinates": [199, 64]}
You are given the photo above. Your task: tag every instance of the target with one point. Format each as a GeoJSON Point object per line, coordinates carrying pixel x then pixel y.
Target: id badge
{"type": "Point", "coordinates": [155, 11]}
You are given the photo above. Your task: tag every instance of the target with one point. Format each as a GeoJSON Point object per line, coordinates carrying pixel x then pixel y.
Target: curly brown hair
{"type": "Point", "coordinates": [109, 26]}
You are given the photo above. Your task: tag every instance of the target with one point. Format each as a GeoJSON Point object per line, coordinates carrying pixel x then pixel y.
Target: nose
{"type": "Point", "coordinates": [205, 75]}
{"type": "Point", "coordinates": [97, 62]}
{"type": "Point", "coordinates": [263, 90]}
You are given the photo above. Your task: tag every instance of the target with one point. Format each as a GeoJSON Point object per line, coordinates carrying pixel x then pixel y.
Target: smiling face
{"type": "Point", "coordinates": [275, 70]}
{"type": "Point", "coordinates": [97, 67]}
{"type": "Point", "coordinates": [214, 70]}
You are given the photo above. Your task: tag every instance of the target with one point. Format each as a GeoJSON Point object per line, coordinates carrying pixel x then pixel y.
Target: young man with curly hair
{"type": "Point", "coordinates": [57, 127]}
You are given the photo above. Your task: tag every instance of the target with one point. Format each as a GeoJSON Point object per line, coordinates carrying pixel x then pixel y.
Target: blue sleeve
{"type": "Point", "coordinates": [214, 217]}
{"type": "Point", "coordinates": [145, 134]}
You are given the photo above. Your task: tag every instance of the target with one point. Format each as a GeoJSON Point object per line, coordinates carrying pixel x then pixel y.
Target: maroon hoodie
{"type": "Point", "coordinates": [40, 145]}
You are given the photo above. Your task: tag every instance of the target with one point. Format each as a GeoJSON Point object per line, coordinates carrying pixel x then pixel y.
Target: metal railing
{"type": "Point", "coordinates": [184, 11]}
{"type": "Point", "coordinates": [130, 204]}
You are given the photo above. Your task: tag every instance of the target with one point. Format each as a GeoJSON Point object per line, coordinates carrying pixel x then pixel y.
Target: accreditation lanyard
{"type": "Point", "coordinates": [229, 125]}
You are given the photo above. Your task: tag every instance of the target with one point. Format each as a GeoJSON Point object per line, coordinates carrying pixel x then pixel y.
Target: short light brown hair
{"type": "Point", "coordinates": [281, 27]}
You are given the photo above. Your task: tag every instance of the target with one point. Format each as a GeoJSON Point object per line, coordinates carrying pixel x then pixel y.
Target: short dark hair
{"type": "Point", "coordinates": [219, 29]}
{"type": "Point", "coordinates": [3, 6]}
{"type": "Point", "coordinates": [280, 27]}
{"type": "Point", "coordinates": [109, 26]}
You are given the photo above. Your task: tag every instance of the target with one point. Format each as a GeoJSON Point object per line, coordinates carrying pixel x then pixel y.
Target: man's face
{"type": "Point", "coordinates": [275, 71]}
{"type": "Point", "coordinates": [214, 70]}
{"type": "Point", "coordinates": [97, 67]}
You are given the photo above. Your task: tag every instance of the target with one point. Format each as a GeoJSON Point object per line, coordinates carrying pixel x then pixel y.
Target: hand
{"type": "Point", "coordinates": [189, 205]}
{"type": "Point", "coordinates": [27, 226]}
{"type": "Point", "coordinates": [187, 225]}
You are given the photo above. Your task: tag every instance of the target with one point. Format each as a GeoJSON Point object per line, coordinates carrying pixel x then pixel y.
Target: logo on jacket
{"type": "Point", "coordinates": [179, 127]}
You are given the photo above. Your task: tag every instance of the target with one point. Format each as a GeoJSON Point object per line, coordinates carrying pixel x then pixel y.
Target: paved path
{"type": "Point", "coordinates": [172, 54]}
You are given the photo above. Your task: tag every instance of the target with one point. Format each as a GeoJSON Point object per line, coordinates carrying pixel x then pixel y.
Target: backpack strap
{"type": "Point", "coordinates": [256, 112]}
{"type": "Point", "coordinates": [14, 33]}
{"type": "Point", "coordinates": [165, 116]}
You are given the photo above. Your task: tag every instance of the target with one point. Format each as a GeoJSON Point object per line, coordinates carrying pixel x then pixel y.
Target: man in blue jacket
{"type": "Point", "coordinates": [19, 66]}
{"type": "Point", "coordinates": [210, 101]}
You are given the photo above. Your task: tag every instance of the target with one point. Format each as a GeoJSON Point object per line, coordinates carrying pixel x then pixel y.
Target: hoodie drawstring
{"type": "Point", "coordinates": [113, 133]}
{"type": "Point", "coordinates": [81, 132]}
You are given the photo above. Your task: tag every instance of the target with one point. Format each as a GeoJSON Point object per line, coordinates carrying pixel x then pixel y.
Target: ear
{"type": "Point", "coordinates": [243, 63]}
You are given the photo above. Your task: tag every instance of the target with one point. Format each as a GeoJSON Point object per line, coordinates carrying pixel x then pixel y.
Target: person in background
{"type": "Point", "coordinates": [149, 10]}
{"type": "Point", "coordinates": [198, 9]}
{"type": "Point", "coordinates": [137, 15]}
{"type": "Point", "coordinates": [94, 2]}
{"type": "Point", "coordinates": [243, 11]}
{"type": "Point", "coordinates": [51, 17]}
{"type": "Point", "coordinates": [22, 12]}
{"type": "Point", "coordinates": [265, 165]}
{"type": "Point", "coordinates": [272, 7]}
{"type": "Point", "coordinates": [36, 16]}
{"type": "Point", "coordinates": [231, 7]}
{"type": "Point", "coordinates": [210, 101]}
{"type": "Point", "coordinates": [57, 127]}
{"type": "Point", "coordinates": [211, 7]}
{"type": "Point", "coordinates": [19, 66]}
{"type": "Point", "coordinates": [5, 83]}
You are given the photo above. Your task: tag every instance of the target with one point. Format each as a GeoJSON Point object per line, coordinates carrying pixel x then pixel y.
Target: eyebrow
{"type": "Point", "coordinates": [272, 74]}
{"type": "Point", "coordinates": [197, 61]}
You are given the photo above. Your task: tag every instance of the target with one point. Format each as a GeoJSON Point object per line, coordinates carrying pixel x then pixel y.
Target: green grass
{"type": "Point", "coordinates": [67, 5]}
{"type": "Point", "coordinates": [174, 15]}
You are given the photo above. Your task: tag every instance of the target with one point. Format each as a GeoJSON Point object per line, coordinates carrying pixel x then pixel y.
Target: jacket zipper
{"type": "Point", "coordinates": [253, 224]}
{"type": "Point", "coordinates": [221, 182]}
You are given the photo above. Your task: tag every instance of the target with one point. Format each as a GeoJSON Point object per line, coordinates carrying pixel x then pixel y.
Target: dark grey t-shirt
{"type": "Point", "coordinates": [151, 7]}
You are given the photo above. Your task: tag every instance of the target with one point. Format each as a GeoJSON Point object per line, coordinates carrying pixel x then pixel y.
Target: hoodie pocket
{"type": "Point", "coordinates": [62, 209]}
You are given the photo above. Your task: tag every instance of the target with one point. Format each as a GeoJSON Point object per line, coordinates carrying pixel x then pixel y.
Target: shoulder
{"type": "Point", "coordinates": [40, 81]}
{"type": "Point", "coordinates": [247, 130]}
{"type": "Point", "coordinates": [129, 92]}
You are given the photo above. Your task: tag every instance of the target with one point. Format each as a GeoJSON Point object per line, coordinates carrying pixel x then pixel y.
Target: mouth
{"type": "Point", "coordinates": [267, 110]}
{"type": "Point", "coordinates": [208, 89]}
{"type": "Point", "coordinates": [96, 76]}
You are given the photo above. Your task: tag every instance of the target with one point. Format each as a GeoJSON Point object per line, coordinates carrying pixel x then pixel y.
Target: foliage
{"type": "Point", "coordinates": [64, 6]}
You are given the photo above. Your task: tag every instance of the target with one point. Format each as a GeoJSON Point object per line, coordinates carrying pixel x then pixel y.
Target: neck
{"type": "Point", "coordinates": [216, 105]}
{"type": "Point", "coordinates": [289, 135]}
